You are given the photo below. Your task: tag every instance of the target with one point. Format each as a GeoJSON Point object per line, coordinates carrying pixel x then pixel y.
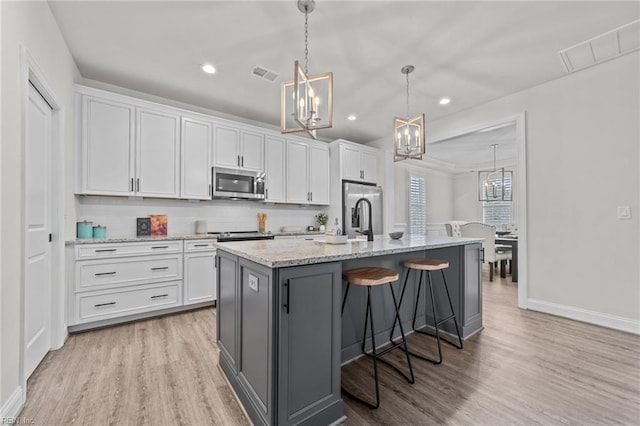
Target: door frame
{"type": "Point", "coordinates": [521, 186]}
{"type": "Point", "coordinates": [31, 73]}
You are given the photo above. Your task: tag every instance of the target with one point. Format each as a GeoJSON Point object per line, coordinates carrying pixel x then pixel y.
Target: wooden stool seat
{"type": "Point", "coordinates": [426, 264]}
{"type": "Point", "coordinates": [370, 276]}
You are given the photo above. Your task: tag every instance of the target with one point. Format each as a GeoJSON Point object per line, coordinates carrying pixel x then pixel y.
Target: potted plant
{"type": "Point", "coordinates": [322, 219]}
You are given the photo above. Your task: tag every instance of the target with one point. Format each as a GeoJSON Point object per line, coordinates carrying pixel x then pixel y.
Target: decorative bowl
{"type": "Point", "coordinates": [396, 235]}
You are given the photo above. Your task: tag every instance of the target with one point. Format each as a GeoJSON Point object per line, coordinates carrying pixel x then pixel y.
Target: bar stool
{"type": "Point", "coordinates": [370, 277]}
{"type": "Point", "coordinates": [429, 265]}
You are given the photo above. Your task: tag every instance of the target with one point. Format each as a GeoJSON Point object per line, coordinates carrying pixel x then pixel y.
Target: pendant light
{"type": "Point", "coordinates": [306, 102]}
{"type": "Point", "coordinates": [495, 185]}
{"type": "Point", "coordinates": [408, 133]}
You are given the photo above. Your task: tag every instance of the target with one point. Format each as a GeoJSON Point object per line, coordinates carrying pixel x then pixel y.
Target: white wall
{"type": "Point", "coordinates": [31, 25]}
{"type": "Point", "coordinates": [583, 156]}
{"type": "Point", "coordinates": [465, 198]}
{"type": "Point", "coordinates": [119, 214]}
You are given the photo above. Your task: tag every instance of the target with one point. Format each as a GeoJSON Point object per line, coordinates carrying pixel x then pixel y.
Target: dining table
{"type": "Point", "coordinates": [511, 240]}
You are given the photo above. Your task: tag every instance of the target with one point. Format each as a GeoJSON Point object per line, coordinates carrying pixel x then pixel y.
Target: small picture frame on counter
{"type": "Point", "coordinates": [143, 226]}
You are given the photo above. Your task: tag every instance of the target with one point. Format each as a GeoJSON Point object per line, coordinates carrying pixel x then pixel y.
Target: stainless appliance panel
{"type": "Point", "coordinates": [356, 222]}
{"type": "Point", "coordinates": [231, 183]}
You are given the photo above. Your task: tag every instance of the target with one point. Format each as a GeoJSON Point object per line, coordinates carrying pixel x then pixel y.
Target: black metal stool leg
{"type": "Point", "coordinates": [344, 299]}
{"type": "Point", "coordinates": [415, 309]}
{"type": "Point", "coordinates": [373, 350]}
{"type": "Point", "coordinates": [455, 321]}
{"type": "Point", "coordinates": [404, 339]}
{"type": "Point", "coordinates": [396, 319]}
{"type": "Point", "coordinates": [435, 320]}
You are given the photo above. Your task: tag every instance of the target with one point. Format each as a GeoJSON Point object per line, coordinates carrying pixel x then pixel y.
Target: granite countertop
{"type": "Point", "coordinates": [133, 239]}
{"type": "Point", "coordinates": [282, 253]}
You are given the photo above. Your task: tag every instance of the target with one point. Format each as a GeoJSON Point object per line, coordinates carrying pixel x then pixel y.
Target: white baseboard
{"type": "Point", "coordinates": [13, 406]}
{"type": "Point", "coordinates": [592, 317]}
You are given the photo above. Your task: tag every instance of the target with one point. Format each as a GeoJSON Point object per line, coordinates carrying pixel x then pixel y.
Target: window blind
{"type": "Point", "coordinates": [417, 206]}
{"type": "Point", "coordinates": [499, 212]}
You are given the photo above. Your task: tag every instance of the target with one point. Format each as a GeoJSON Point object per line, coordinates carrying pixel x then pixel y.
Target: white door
{"type": "Point", "coordinates": [351, 164]}
{"type": "Point", "coordinates": [158, 155]}
{"type": "Point", "coordinates": [196, 152]}
{"type": "Point", "coordinates": [37, 220]}
{"type": "Point", "coordinates": [252, 151]}
{"type": "Point", "coordinates": [274, 168]}
{"type": "Point", "coordinates": [319, 175]}
{"type": "Point", "coordinates": [369, 163]}
{"type": "Point", "coordinates": [226, 141]}
{"type": "Point", "coordinates": [297, 172]}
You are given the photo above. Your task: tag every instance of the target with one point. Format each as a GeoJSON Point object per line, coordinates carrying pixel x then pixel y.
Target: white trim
{"type": "Point", "coordinates": [11, 409]}
{"type": "Point", "coordinates": [521, 194]}
{"type": "Point", "coordinates": [584, 315]}
{"type": "Point", "coordinates": [31, 72]}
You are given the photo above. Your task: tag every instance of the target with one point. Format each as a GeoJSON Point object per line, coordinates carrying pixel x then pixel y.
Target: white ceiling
{"type": "Point", "coordinates": [473, 52]}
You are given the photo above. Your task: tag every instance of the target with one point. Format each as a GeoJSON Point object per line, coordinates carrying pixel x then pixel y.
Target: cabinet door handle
{"type": "Point", "coordinates": [482, 255]}
{"type": "Point", "coordinates": [99, 305]}
{"type": "Point", "coordinates": [132, 185]}
{"type": "Point", "coordinates": [311, 196]}
{"type": "Point", "coordinates": [159, 296]}
{"type": "Point", "coordinates": [287, 305]}
{"type": "Point", "coordinates": [138, 185]}
{"type": "Point", "coordinates": [159, 247]}
{"type": "Point", "coordinates": [266, 193]}
{"type": "Point", "coordinates": [238, 161]}
{"type": "Point", "coordinates": [104, 250]}
{"type": "Point", "coordinates": [242, 161]}
{"type": "Point", "coordinates": [100, 274]}
{"type": "Point", "coordinates": [160, 268]}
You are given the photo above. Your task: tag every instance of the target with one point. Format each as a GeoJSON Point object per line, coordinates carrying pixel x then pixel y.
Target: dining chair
{"type": "Point", "coordinates": [492, 253]}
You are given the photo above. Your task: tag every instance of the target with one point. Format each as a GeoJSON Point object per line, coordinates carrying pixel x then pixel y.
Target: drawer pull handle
{"type": "Point", "coordinates": [160, 295]}
{"type": "Point", "coordinates": [104, 250]}
{"type": "Point", "coordinates": [159, 247]}
{"type": "Point", "coordinates": [163, 268]}
{"type": "Point", "coordinates": [104, 304]}
{"type": "Point", "coordinates": [99, 274]}
{"type": "Point", "coordinates": [201, 245]}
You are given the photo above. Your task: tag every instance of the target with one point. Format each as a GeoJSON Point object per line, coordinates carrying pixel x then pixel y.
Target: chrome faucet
{"type": "Point", "coordinates": [368, 232]}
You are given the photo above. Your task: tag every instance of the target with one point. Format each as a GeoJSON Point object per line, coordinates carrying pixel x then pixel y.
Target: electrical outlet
{"type": "Point", "coordinates": [624, 212]}
{"type": "Point", "coordinates": [253, 283]}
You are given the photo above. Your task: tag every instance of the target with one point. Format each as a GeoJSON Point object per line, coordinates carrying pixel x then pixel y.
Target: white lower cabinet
{"type": "Point", "coordinates": [199, 271]}
{"type": "Point", "coordinates": [114, 280]}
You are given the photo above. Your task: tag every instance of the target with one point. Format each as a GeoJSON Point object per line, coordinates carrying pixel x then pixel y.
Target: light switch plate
{"type": "Point", "coordinates": [624, 212]}
{"type": "Point", "coordinates": [253, 282]}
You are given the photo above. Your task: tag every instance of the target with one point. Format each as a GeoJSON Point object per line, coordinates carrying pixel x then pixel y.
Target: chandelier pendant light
{"type": "Point", "coordinates": [408, 133]}
{"type": "Point", "coordinates": [306, 102]}
{"type": "Point", "coordinates": [494, 185]}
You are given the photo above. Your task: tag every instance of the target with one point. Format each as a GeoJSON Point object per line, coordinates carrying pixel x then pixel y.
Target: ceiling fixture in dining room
{"type": "Point", "coordinates": [408, 133]}
{"type": "Point", "coordinates": [306, 102]}
{"type": "Point", "coordinates": [495, 185]}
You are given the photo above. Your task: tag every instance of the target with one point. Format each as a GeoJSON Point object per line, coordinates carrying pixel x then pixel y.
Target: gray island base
{"type": "Point", "coordinates": [280, 332]}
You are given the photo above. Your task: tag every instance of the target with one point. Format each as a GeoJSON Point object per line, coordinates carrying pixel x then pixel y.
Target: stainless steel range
{"type": "Point", "coordinates": [241, 236]}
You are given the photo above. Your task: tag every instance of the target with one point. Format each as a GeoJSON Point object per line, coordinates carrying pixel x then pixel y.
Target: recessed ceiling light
{"type": "Point", "coordinates": [352, 117]}
{"type": "Point", "coordinates": [208, 68]}
{"type": "Point", "coordinates": [444, 100]}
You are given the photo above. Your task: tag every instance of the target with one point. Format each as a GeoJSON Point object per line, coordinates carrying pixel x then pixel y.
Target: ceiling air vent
{"type": "Point", "coordinates": [604, 47]}
{"type": "Point", "coordinates": [264, 73]}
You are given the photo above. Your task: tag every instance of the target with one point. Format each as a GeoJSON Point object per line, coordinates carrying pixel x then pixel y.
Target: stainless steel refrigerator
{"type": "Point", "coordinates": [357, 221]}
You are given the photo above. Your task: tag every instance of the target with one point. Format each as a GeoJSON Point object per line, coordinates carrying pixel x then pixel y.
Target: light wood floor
{"type": "Point", "coordinates": [523, 368]}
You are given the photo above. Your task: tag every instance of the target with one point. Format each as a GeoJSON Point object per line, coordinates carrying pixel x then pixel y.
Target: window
{"type": "Point", "coordinates": [417, 206]}
{"type": "Point", "coordinates": [499, 212]}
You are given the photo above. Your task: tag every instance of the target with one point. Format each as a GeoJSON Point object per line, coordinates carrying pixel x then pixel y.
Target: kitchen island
{"type": "Point", "coordinates": [280, 332]}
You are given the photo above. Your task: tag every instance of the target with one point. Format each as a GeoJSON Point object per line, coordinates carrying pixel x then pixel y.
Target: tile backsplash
{"type": "Point", "coordinates": [119, 214]}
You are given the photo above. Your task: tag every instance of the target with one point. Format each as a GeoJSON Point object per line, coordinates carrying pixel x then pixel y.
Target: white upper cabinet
{"type": "Point", "coordinates": [238, 149]}
{"type": "Point", "coordinates": [359, 163]}
{"type": "Point", "coordinates": [107, 147]}
{"type": "Point", "coordinates": [196, 145]}
{"type": "Point", "coordinates": [128, 150]}
{"type": "Point", "coordinates": [307, 173]}
{"type": "Point", "coordinates": [158, 154]}
{"type": "Point", "coordinates": [274, 168]}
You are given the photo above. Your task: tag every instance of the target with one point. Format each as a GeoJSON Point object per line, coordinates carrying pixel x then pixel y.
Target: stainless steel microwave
{"type": "Point", "coordinates": [238, 184]}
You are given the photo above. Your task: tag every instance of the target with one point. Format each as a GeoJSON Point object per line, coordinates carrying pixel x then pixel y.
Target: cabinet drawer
{"type": "Point", "coordinates": [98, 251]}
{"type": "Point", "coordinates": [104, 274]}
{"type": "Point", "coordinates": [94, 307]}
{"type": "Point", "coordinates": [199, 245]}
